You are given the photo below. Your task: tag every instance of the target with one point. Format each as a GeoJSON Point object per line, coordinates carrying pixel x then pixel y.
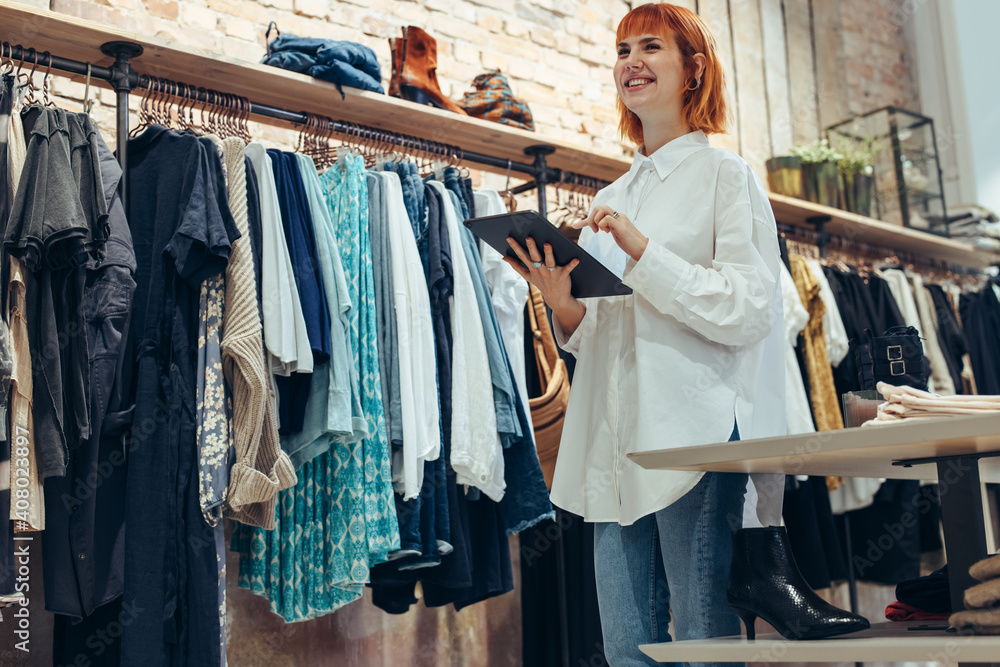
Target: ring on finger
{"type": "Point", "coordinates": [537, 265]}
{"type": "Point", "coordinates": [614, 214]}
{"type": "Point", "coordinates": [551, 268]}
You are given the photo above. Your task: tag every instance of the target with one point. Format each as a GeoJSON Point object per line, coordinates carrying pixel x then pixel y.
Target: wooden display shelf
{"type": "Point", "coordinates": [883, 642]}
{"type": "Point", "coordinates": [79, 39]}
{"type": "Point", "coordinates": [860, 229]}
{"type": "Point", "coordinates": [852, 452]}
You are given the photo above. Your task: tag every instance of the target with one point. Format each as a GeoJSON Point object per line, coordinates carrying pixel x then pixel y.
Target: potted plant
{"type": "Point", "coordinates": [784, 175]}
{"type": "Point", "coordinates": [857, 168]}
{"type": "Point", "coordinates": [820, 177]}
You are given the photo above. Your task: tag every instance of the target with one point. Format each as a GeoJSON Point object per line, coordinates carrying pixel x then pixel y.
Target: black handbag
{"type": "Point", "coordinates": [896, 357]}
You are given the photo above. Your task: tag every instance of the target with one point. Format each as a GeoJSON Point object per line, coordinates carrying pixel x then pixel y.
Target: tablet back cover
{"type": "Point", "coordinates": [589, 279]}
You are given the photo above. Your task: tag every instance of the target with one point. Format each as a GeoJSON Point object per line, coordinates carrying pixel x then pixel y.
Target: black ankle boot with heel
{"type": "Point", "coordinates": [764, 581]}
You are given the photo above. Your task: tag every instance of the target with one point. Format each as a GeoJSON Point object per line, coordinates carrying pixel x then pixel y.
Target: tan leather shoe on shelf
{"type": "Point", "coordinates": [414, 70]}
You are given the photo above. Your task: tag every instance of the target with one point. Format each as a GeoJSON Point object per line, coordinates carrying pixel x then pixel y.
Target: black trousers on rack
{"type": "Point", "coordinates": [540, 608]}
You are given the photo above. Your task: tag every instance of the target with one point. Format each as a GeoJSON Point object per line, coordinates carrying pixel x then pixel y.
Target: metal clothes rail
{"type": "Point", "coordinates": [123, 79]}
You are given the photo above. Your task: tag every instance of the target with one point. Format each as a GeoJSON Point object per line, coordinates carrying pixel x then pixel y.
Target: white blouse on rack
{"type": "Point", "coordinates": [415, 347]}
{"type": "Point", "coordinates": [837, 343]}
{"type": "Point", "coordinates": [476, 453]}
{"type": "Point", "coordinates": [697, 346]}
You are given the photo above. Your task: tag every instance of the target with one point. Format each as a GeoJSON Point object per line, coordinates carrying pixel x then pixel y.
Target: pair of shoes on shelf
{"type": "Point", "coordinates": [765, 582]}
{"type": "Point", "coordinates": [414, 70]}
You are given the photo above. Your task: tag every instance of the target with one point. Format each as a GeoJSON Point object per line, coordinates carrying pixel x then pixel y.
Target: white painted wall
{"type": "Point", "coordinates": [955, 47]}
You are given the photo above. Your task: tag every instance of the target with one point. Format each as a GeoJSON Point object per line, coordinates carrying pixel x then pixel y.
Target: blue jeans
{"type": "Point", "coordinates": [675, 559]}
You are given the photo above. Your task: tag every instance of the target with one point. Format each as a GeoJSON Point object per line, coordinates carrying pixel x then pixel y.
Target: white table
{"type": "Point", "coordinates": [959, 452]}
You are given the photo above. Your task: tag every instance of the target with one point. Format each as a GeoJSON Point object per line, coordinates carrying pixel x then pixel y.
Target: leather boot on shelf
{"type": "Point", "coordinates": [764, 581]}
{"type": "Point", "coordinates": [414, 70]}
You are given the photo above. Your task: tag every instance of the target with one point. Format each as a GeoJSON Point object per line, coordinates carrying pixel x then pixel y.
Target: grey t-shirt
{"type": "Point", "coordinates": [385, 311]}
{"type": "Point", "coordinates": [61, 212]}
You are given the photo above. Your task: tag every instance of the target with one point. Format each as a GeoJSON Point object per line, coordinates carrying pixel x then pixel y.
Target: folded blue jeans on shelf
{"type": "Point", "coordinates": [341, 63]}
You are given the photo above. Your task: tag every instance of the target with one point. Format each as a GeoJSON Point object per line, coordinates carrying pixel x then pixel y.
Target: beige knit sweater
{"type": "Point", "coordinates": [261, 468]}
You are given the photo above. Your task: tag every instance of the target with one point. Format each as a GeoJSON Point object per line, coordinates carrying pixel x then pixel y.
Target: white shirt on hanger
{"type": "Point", "coordinates": [837, 343]}
{"type": "Point", "coordinates": [697, 347]}
{"type": "Point", "coordinates": [476, 452]}
{"type": "Point", "coordinates": [285, 335]}
{"type": "Point", "coordinates": [418, 390]}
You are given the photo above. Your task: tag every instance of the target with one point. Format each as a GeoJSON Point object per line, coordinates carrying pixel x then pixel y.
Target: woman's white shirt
{"type": "Point", "coordinates": [695, 348]}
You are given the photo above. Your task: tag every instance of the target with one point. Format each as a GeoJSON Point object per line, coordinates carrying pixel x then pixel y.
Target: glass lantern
{"type": "Point", "coordinates": [908, 183]}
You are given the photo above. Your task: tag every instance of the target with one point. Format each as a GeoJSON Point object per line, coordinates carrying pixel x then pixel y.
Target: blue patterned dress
{"type": "Point", "coordinates": [339, 520]}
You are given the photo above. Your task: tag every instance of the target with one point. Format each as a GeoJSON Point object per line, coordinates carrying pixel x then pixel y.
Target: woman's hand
{"type": "Point", "coordinates": [606, 219]}
{"type": "Point", "coordinates": [541, 271]}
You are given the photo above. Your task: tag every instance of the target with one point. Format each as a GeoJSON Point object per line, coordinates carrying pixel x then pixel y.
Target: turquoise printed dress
{"type": "Point", "coordinates": [340, 519]}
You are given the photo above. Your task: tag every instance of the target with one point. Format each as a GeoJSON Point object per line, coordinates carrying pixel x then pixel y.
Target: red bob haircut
{"type": "Point", "coordinates": [705, 107]}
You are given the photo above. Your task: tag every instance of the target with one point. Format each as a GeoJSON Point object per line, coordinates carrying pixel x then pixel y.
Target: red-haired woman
{"type": "Point", "coordinates": [694, 356]}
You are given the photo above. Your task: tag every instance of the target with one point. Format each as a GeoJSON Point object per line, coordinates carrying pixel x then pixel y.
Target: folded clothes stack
{"type": "Point", "coordinates": [926, 598]}
{"type": "Point", "coordinates": [909, 403]}
{"type": "Point", "coordinates": [982, 601]}
{"type": "Point", "coordinates": [971, 224]}
{"type": "Point", "coordinates": [340, 63]}
{"type": "Point", "coordinates": [493, 100]}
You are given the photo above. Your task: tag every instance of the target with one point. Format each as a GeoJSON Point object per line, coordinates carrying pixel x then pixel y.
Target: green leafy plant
{"type": "Point", "coordinates": [857, 157]}
{"type": "Point", "coordinates": [816, 151]}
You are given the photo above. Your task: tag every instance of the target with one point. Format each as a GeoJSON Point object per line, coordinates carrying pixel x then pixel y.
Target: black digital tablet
{"type": "Point", "coordinates": [590, 278]}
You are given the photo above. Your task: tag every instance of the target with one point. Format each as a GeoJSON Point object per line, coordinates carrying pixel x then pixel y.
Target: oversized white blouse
{"type": "Point", "coordinates": [696, 348]}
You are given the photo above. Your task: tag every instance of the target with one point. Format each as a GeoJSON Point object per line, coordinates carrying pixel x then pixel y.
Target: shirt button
{"type": "Point", "coordinates": [482, 478]}
{"type": "Point", "coordinates": [82, 556]}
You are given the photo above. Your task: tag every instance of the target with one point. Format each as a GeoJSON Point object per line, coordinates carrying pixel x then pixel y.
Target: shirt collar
{"type": "Point", "coordinates": [670, 155]}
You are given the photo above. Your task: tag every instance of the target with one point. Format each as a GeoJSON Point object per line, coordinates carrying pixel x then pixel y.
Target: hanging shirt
{"type": "Point", "coordinates": [698, 344]}
{"type": "Point", "coordinates": [903, 295]}
{"type": "Point", "coordinates": [509, 293]}
{"type": "Point", "coordinates": [418, 389]}
{"type": "Point", "coordinates": [837, 343]}
{"type": "Point", "coordinates": [293, 391]}
{"type": "Point", "coordinates": [183, 232]}
{"type": "Point", "coordinates": [82, 546]}
{"type": "Point", "coordinates": [333, 409]}
{"type": "Point", "coordinates": [385, 313]}
{"type": "Point", "coordinates": [939, 376]}
{"type": "Point", "coordinates": [285, 333]}
{"type": "Point", "coordinates": [822, 389]}
{"type": "Point", "coordinates": [59, 216]}
{"type": "Point", "coordinates": [475, 444]}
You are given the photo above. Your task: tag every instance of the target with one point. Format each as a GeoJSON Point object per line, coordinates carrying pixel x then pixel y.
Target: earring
{"type": "Point", "coordinates": [697, 84]}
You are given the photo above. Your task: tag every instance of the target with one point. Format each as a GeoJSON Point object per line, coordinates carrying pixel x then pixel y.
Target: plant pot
{"type": "Point", "coordinates": [858, 193]}
{"type": "Point", "coordinates": [821, 183]}
{"type": "Point", "coordinates": [784, 175]}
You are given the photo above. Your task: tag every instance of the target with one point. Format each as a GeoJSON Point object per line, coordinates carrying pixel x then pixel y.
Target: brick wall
{"type": "Point", "coordinates": [558, 53]}
{"type": "Point", "coordinates": [865, 64]}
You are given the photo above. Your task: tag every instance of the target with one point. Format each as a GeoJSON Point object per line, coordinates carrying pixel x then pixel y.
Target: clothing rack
{"type": "Point", "coordinates": [123, 79]}
{"type": "Point", "coordinates": [824, 241]}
